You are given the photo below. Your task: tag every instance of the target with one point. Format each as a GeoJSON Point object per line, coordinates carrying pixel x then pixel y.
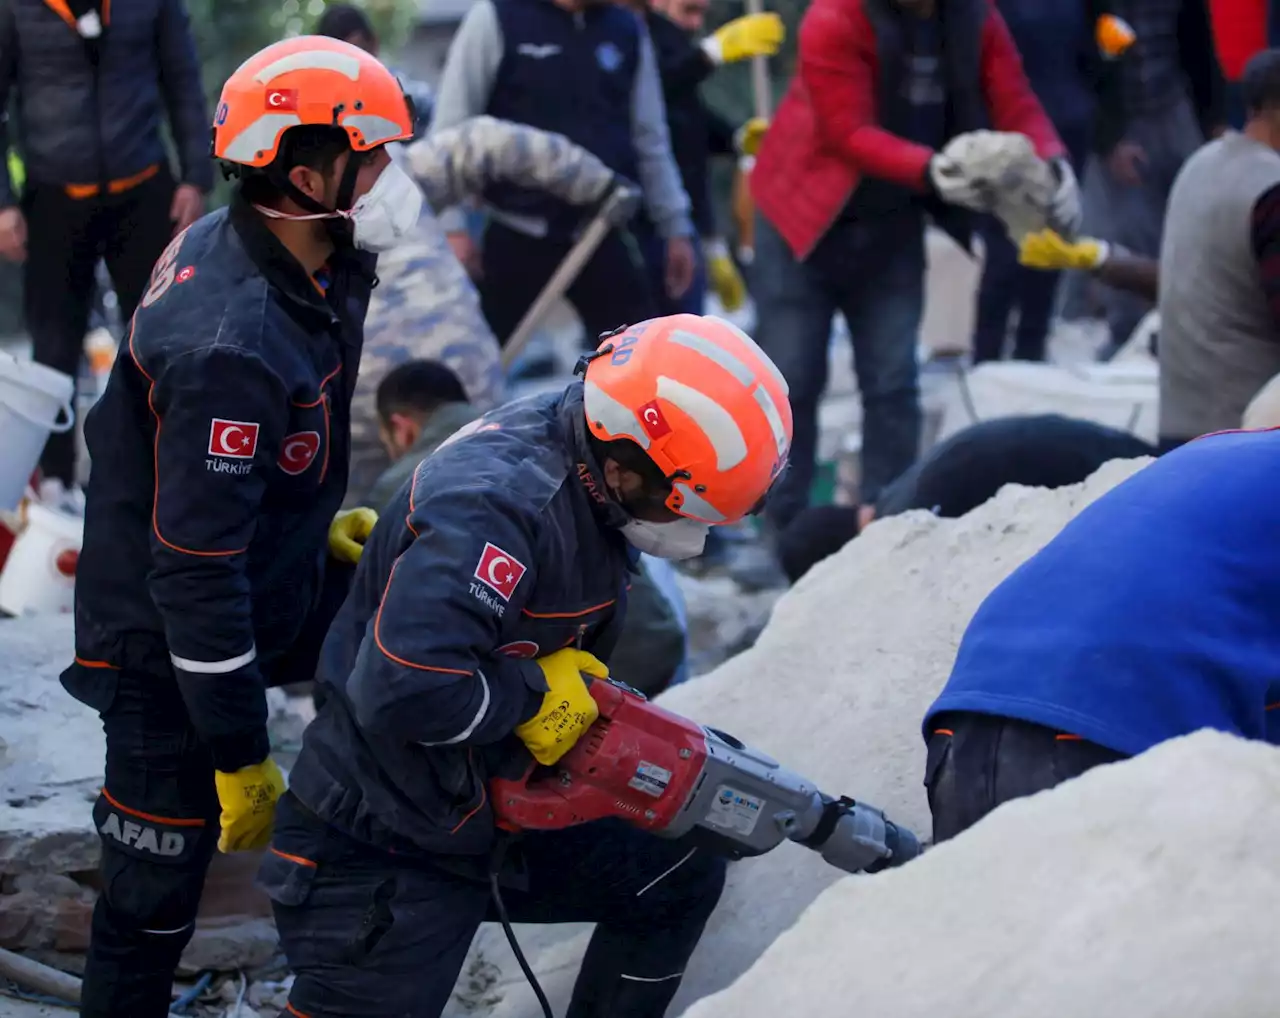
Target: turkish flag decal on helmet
{"type": "Point", "coordinates": [233, 439]}
{"type": "Point", "coordinates": [655, 425]}
{"type": "Point", "coordinates": [282, 100]}
{"type": "Point", "coordinates": [299, 451]}
{"type": "Point", "coordinates": [499, 571]}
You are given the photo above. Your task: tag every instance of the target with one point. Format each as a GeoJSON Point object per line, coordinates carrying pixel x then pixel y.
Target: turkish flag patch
{"type": "Point", "coordinates": [499, 571]}
{"type": "Point", "coordinates": [655, 425]}
{"type": "Point", "coordinates": [233, 439]}
{"type": "Point", "coordinates": [282, 100]}
{"type": "Point", "coordinates": [299, 451]}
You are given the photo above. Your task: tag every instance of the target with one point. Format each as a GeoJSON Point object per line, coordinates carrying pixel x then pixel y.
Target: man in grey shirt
{"type": "Point", "coordinates": [1220, 270]}
{"type": "Point", "coordinates": [584, 69]}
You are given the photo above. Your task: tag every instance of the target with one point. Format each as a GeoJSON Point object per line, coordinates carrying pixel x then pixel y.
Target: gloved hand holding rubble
{"type": "Point", "coordinates": [999, 172]}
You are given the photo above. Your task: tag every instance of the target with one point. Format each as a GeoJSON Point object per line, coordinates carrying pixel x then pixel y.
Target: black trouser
{"type": "Point", "coordinates": [611, 290]}
{"type": "Point", "coordinates": [158, 817]}
{"type": "Point", "coordinates": [375, 935]}
{"type": "Point", "coordinates": [1007, 285]}
{"type": "Point", "coordinates": [65, 238]}
{"type": "Point", "coordinates": [158, 820]}
{"type": "Point", "coordinates": [978, 761]}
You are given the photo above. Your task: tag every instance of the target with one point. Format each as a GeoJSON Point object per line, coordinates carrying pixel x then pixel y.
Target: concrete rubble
{"type": "Point", "coordinates": [51, 755]}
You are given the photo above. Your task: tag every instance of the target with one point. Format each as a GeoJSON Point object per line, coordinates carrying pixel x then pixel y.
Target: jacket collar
{"type": "Point", "coordinates": [305, 299]}
{"type": "Point", "coordinates": [447, 419]}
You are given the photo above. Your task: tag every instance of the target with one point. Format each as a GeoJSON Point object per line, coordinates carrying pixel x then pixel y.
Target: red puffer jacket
{"type": "Point", "coordinates": [830, 130]}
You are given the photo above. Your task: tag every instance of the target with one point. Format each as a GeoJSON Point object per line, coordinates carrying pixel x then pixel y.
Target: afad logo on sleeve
{"type": "Point", "coordinates": [498, 572]}
{"type": "Point", "coordinates": [299, 451]}
{"type": "Point", "coordinates": [232, 445]}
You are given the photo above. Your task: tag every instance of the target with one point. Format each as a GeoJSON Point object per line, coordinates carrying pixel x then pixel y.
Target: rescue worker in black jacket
{"type": "Point", "coordinates": [219, 462]}
{"type": "Point", "coordinates": [90, 84]}
{"type": "Point", "coordinates": [497, 576]}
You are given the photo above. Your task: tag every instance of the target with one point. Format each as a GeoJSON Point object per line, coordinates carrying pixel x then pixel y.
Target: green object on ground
{"type": "Point", "coordinates": [823, 490]}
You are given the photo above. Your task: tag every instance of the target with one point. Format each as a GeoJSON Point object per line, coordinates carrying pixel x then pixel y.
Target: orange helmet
{"type": "Point", "coordinates": [704, 401]}
{"type": "Point", "coordinates": [309, 79]}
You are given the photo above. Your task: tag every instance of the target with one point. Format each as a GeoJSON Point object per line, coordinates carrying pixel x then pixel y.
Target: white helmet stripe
{"type": "Point", "coordinates": [613, 416]}
{"type": "Point", "coordinates": [375, 130]}
{"type": "Point", "coordinates": [716, 422]}
{"type": "Point", "coordinates": [714, 352]}
{"type": "Point", "coordinates": [774, 418]}
{"type": "Point", "coordinates": [259, 136]}
{"type": "Point", "coordinates": [752, 345]}
{"type": "Point", "coordinates": [693, 504]}
{"type": "Point", "coordinates": [311, 60]}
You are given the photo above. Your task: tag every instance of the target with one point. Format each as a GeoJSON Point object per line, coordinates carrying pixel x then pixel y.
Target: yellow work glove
{"type": "Point", "coordinates": [752, 35]}
{"type": "Point", "coordinates": [747, 138]}
{"type": "Point", "coordinates": [248, 798]}
{"type": "Point", "coordinates": [348, 532]}
{"type": "Point", "coordinates": [723, 276]}
{"type": "Point", "coordinates": [567, 709]}
{"type": "Point", "coordinates": [1047, 250]}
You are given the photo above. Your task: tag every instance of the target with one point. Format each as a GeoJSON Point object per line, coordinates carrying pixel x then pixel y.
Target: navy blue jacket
{"type": "Point", "coordinates": [1060, 58]}
{"type": "Point", "coordinates": [1154, 613]}
{"type": "Point", "coordinates": [697, 131]}
{"type": "Point", "coordinates": [93, 116]}
{"type": "Point", "coordinates": [503, 548]}
{"type": "Point", "coordinates": [599, 54]}
{"type": "Point", "coordinates": [220, 452]}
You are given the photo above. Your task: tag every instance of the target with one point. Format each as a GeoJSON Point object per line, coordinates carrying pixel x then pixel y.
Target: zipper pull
{"type": "Point", "coordinates": [582, 631]}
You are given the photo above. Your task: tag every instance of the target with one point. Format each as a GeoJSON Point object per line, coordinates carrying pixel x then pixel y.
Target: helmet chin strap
{"type": "Point", "coordinates": [337, 225]}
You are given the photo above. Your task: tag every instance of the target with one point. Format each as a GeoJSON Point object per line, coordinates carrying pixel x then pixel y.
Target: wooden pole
{"type": "Point", "coordinates": [37, 978]}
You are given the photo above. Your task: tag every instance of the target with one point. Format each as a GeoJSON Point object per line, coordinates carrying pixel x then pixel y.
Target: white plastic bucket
{"type": "Point", "coordinates": [35, 401]}
{"type": "Point", "coordinates": [39, 576]}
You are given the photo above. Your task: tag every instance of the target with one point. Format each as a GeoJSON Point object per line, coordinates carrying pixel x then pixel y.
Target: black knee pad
{"type": "Point", "coordinates": [152, 869]}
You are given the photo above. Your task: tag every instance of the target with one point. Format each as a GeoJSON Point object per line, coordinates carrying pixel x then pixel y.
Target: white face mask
{"type": "Point", "coordinates": [387, 213]}
{"type": "Point", "coordinates": [381, 218]}
{"type": "Point", "coordinates": [680, 539]}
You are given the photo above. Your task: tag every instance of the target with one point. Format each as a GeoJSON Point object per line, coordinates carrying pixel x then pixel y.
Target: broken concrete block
{"type": "Point", "coordinates": [51, 753]}
{"type": "Point", "coordinates": [51, 757]}
{"type": "Point", "coordinates": [34, 918]}
{"type": "Point", "coordinates": [226, 945]}
{"type": "Point", "coordinates": [73, 924]}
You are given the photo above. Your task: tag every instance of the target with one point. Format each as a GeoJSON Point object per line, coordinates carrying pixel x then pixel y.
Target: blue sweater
{"type": "Point", "coordinates": [1154, 613]}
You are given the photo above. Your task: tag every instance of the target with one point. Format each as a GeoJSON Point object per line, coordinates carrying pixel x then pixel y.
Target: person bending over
{"type": "Point", "coordinates": [1151, 615]}
{"type": "Point", "coordinates": [496, 578]}
{"type": "Point", "coordinates": [963, 472]}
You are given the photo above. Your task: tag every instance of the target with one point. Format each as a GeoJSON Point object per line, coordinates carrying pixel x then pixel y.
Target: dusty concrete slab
{"type": "Point", "coordinates": [13, 1008]}
{"type": "Point", "coordinates": [51, 757]}
{"type": "Point", "coordinates": [51, 753]}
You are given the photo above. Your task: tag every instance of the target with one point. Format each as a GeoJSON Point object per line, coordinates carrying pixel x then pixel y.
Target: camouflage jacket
{"type": "Point", "coordinates": [425, 306]}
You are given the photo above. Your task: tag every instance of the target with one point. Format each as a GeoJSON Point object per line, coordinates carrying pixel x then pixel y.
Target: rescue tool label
{"type": "Point", "coordinates": [650, 779]}
{"type": "Point", "coordinates": [734, 810]}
